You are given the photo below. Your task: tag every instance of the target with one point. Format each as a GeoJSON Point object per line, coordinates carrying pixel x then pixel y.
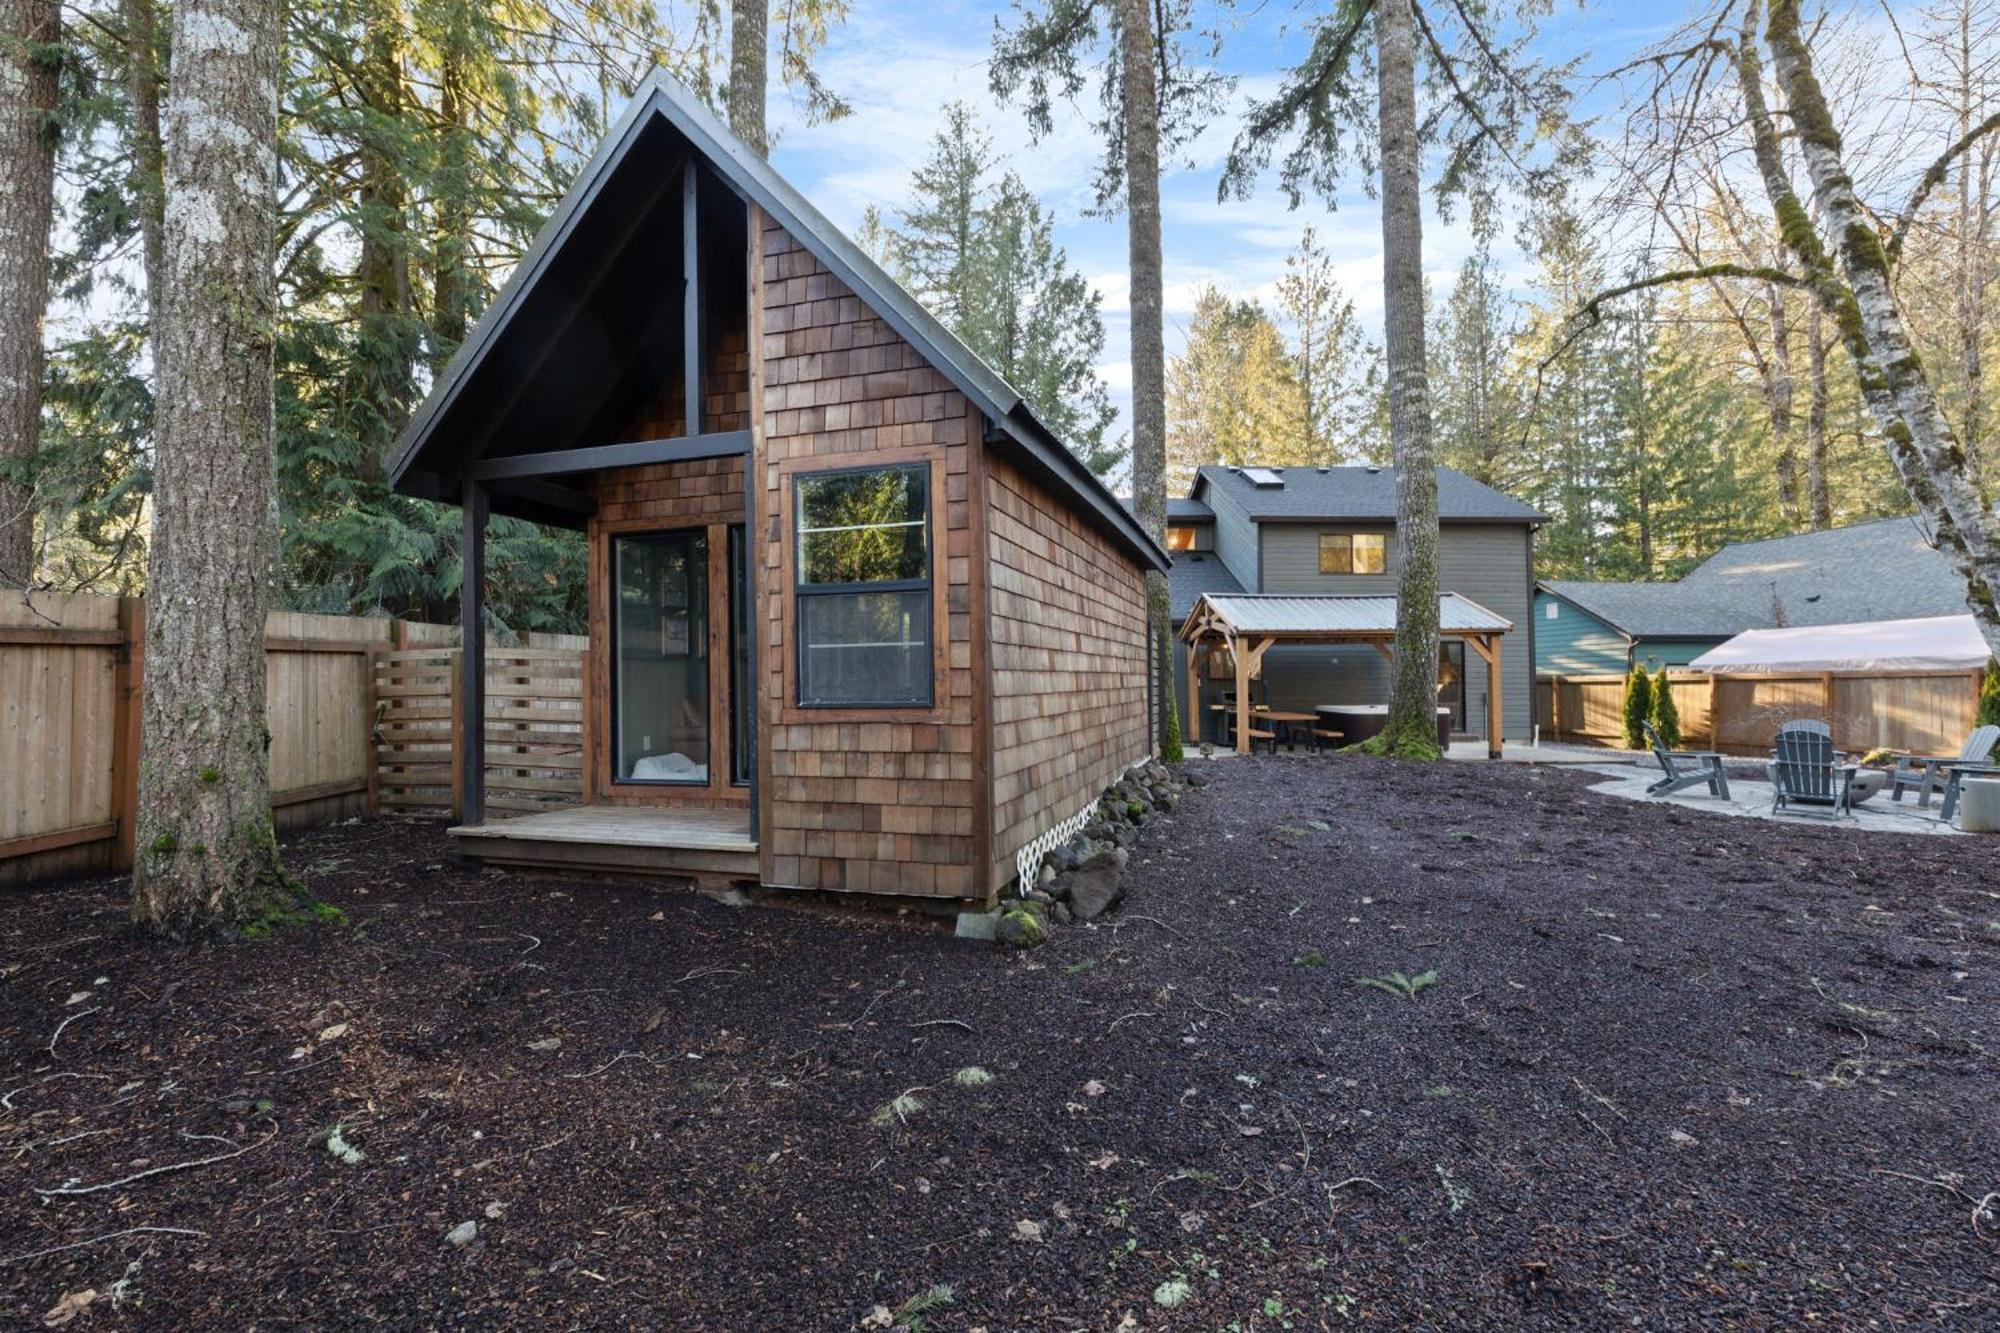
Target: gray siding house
{"type": "Point", "coordinates": [1332, 530]}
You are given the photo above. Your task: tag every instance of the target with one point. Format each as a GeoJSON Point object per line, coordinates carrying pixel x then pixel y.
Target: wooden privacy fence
{"type": "Point", "coordinates": [347, 704]}
{"type": "Point", "coordinates": [1923, 713]}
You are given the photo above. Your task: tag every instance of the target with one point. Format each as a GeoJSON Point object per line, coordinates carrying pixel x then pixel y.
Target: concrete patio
{"type": "Point", "coordinates": [1752, 800]}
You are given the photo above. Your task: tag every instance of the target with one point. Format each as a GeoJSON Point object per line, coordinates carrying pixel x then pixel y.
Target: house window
{"type": "Point", "coordinates": [1352, 552]}
{"type": "Point", "coordinates": [1552, 612]}
{"type": "Point", "coordinates": [659, 657]}
{"type": "Point", "coordinates": [863, 587]}
{"type": "Point", "coordinates": [1180, 539]}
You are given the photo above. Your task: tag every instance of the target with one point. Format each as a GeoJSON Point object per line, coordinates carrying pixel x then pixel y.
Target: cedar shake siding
{"type": "Point", "coordinates": [876, 800]}
{"type": "Point", "coordinates": [1067, 658]}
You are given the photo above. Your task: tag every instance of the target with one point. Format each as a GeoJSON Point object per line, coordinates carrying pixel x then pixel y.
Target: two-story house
{"type": "Point", "coordinates": [1320, 531]}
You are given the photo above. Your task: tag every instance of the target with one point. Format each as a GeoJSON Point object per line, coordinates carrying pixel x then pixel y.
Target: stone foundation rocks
{"type": "Point", "coordinates": [1084, 878]}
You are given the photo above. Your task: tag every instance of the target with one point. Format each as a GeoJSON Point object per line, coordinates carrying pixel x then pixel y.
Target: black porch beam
{"type": "Point", "coordinates": [635, 453]}
{"type": "Point", "coordinates": [548, 495]}
{"type": "Point", "coordinates": [691, 297]}
{"type": "Point", "coordinates": [472, 657]}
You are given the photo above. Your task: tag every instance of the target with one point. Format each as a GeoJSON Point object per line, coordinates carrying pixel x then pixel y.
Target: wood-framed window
{"type": "Point", "coordinates": [1353, 553]}
{"type": "Point", "coordinates": [862, 587]}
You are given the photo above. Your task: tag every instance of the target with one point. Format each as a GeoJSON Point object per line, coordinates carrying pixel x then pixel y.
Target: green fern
{"type": "Point", "coordinates": [1400, 986]}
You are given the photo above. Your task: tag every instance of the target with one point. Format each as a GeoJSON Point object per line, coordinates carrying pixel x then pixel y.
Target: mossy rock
{"type": "Point", "coordinates": [1022, 926]}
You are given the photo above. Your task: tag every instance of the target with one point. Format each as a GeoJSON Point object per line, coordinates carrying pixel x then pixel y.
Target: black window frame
{"type": "Point", "coordinates": [1352, 535]}
{"type": "Point", "coordinates": [802, 591]}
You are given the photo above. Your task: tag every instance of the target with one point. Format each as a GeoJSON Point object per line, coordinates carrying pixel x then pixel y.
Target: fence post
{"type": "Point", "coordinates": [128, 693]}
{"type": "Point", "coordinates": [457, 738]}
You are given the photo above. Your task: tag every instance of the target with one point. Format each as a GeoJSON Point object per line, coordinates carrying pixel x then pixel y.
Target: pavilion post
{"type": "Point", "coordinates": [1240, 651]}
{"type": "Point", "coordinates": [1194, 689]}
{"type": "Point", "coordinates": [1493, 743]}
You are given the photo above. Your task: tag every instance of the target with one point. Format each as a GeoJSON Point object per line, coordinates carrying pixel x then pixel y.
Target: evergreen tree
{"type": "Point", "coordinates": [1988, 713]}
{"type": "Point", "coordinates": [1666, 713]}
{"type": "Point", "coordinates": [1478, 415]}
{"type": "Point", "coordinates": [1233, 393]}
{"type": "Point", "coordinates": [1338, 371]}
{"type": "Point", "coordinates": [976, 246]}
{"type": "Point", "coordinates": [1638, 709]}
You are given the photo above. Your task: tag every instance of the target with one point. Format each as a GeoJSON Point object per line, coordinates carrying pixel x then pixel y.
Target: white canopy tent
{"type": "Point", "coordinates": [1934, 643]}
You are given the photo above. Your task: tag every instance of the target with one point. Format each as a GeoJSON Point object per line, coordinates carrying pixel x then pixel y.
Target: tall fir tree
{"type": "Point", "coordinates": [979, 250]}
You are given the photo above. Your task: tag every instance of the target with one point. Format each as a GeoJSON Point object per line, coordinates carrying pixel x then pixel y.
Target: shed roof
{"type": "Point", "coordinates": [445, 429]}
{"type": "Point", "coordinates": [1306, 493]}
{"type": "Point", "coordinates": [1181, 510]}
{"type": "Point", "coordinates": [1331, 615]}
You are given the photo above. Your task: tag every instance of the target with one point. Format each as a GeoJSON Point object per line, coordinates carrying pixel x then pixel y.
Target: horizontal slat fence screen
{"type": "Point", "coordinates": [534, 728]}
{"type": "Point", "coordinates": [359, 720]}
{"type": "Point", "coordinates": [1922, 713]}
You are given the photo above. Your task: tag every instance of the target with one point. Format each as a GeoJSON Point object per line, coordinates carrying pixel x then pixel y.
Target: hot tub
{"type": "Point", "coordinates": [1358, 722]}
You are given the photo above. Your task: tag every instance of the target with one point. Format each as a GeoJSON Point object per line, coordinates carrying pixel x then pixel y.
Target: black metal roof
{"type": "Point", "coordinates": [508, 348]}
{"type": "Point", "coordinates": [1311, 493]}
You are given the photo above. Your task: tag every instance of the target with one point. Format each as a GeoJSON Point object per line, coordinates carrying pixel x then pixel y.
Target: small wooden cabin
{"type": "Point", "coordinates": [859, 622]}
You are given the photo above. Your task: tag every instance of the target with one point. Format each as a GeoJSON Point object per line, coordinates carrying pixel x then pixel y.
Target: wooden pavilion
{"type": "Point", "coordinates": [1246, 626]}
{"type": "Point", "coordinates": [859, 621]}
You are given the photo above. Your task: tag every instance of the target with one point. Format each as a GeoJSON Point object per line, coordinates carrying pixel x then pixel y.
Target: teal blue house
{"type": "Point", "coordinates": [1590, 629]}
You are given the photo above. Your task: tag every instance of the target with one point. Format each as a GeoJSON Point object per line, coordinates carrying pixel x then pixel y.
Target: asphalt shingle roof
{"type": "Point", "coordinates": [1183, 510]}
{"type": "Point", "coordinates": [1195, 573]}
{"type": "Point", "coordinates": [1881, 570]}
{"type": "Point", "coordinates": [1361, 493]}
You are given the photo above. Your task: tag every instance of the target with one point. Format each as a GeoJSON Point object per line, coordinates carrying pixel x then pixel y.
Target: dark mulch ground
{"type": "Point", "coordinates": [1676, 1072]}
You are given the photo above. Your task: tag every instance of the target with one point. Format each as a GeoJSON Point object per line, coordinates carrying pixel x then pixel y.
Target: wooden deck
{"type": "Point", "coordinates": [705, 845]}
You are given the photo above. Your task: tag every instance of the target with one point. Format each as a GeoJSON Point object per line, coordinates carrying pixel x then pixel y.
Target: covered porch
{"type": "Point", "coordinates": [1243, 627]}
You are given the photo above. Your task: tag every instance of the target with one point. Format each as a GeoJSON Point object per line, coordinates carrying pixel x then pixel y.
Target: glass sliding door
{"type": "Point", "coordinates": [659, 685]}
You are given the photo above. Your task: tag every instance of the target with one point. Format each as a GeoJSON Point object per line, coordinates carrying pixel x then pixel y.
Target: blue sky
{"type": "Point", "coordinates": [898, 61]}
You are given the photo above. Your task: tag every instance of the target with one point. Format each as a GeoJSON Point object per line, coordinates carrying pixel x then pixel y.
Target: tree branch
{"type": "Point", "coordinates": [1933, 178]}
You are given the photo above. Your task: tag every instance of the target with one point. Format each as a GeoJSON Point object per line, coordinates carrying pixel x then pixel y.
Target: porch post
{"type": "Point", "coordinates": [472, 655]}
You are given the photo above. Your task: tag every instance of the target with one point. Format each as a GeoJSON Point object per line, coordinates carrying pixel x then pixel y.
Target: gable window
{"type": "Point", "coordinates": [863, 587]}
{"type": "Point", "coordinates": [1353, 552]}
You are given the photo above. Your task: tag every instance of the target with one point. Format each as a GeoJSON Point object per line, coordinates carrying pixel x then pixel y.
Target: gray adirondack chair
{"type": "Point", "coordinates": [1929, 773]}
{"type": "Point", "coordinates": [1686, 768]}
{"type": "Point", "coordinates": [1809, 776]}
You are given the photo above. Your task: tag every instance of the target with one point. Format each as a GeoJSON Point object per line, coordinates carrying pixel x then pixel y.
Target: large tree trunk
{"type": "Point", "coordinates": [1922, 445]}
{"type": "Point", "coordinates": [749, 37]}
{"type": "Point", "coordinates": [1411, 727]}
{"type": "Point", "coordinates": [142, 86]}
{"type": "Point", "coordinates": [451, 244]}
{"type": "Point", "coordinates": [384, 351]}
{"type": "Point", "coordinates": [207, 858]}
{"type": "Point", "coordinates": [1819, 500]}
{"type": "Point", "coordinates": [1778, 398]}
{"type": "Point", "coordinates": [1149, 350]}
{"type": "Point", "coordinates": [29, 30]}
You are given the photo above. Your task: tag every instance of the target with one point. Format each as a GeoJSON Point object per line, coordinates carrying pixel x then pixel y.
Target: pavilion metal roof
{"type": "Point", "coordinates": [1290, 614]}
